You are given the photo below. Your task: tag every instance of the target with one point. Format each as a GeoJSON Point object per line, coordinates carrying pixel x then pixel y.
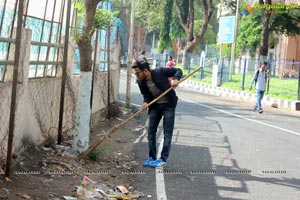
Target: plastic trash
{"type": "Point", "coordinates": [87, 190]}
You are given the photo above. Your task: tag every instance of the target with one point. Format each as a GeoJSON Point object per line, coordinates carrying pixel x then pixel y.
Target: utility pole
{"type": "Point", "coordinates": [232, 68]}
{"type": "Point", "coordinates": [129, 56]}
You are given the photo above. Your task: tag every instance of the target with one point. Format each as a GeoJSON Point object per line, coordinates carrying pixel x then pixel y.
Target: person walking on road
{"type": "Point", "coordinates": [152, 83]}
{"type": "Point", "coordinates": [260, 78]}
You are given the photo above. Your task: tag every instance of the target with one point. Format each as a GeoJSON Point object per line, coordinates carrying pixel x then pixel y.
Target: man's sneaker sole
{"type": "Point", "coordinates": [146, 165]}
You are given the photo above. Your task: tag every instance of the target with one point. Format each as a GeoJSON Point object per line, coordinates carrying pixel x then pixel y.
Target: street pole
{"type": "Point", "coordinates": [234, 41]}
{"type": "Point", "coordinates": [64, 76]}
{"type": "Point", "coordinates": [129, 57]}
{"type": "Point", "coordinates": [13, 102]}
{"type": "Point", "coordinates": [298, 98]}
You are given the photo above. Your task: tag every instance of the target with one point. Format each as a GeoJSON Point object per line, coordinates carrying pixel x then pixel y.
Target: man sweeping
{"type": "Point", "coordinates": [152, 83]}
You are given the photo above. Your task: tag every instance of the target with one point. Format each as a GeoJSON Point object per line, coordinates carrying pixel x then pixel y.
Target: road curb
{"type": "Point", "coordinates": [241, 95]}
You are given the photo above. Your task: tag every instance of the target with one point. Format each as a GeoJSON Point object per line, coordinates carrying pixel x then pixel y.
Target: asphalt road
{"type": "Point", "coordinates": [222, 150]}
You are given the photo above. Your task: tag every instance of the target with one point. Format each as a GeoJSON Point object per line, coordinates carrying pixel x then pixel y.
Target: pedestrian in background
{"type": "Point", "coordinates": [142, 57]}
{"type": "Point", "coordinates": [152, 83]}
{"type": "Point", "coordinates": [260, 79]}
{"type": "Point", "coordinates": [170, 64]}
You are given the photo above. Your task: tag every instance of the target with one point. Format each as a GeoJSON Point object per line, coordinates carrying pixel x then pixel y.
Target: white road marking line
{"type": "Point", "coordinates": [139, 139]}
{"type": "Point", "coordinates": [239, 116]}
{"type": "Point", "coordinates": [159, 177]}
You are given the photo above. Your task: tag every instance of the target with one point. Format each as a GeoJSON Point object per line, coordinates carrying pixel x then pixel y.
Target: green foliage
{"type": "Point", "coordinates": [278, 88]}
{"type": "Point", "coordinates": [79, 6]}
{"type": "Point", "coordinates": [249, 31]}
{"type": "Point", "coordinates": [95, 154]}
{"type": "Point", "coordinates": [149, 14]}
{"type": "Point", "coordinates": [214, 49]}
{"type": "Point", "coordinates": [286, 23]}
{"type": "Point", "coordinates": [102, 19]}
{"type": "Point", "coordinates": [164, 37]}
{"type": "Point", "coordinates": [226, 50]}
{"type": "Point", "coordinates": [184, 9]}
{"type": "Point", "coordinates": [176, 29]}
{"type": "Point", "coordinates": [283, 21]}
{"type": "Point", "coordinates": [210, 36]}
{"type": "Point", "coordinates": [152, 3]}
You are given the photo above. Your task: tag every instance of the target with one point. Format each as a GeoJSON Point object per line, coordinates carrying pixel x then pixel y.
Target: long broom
{"type": "Point", "coordinates": [115, 127]}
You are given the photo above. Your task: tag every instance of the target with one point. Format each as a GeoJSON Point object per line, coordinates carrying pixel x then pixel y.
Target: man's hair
{"type": "Point", "coordinates": [142, 65]}
{"type": "Point", "coordinates": [265, 63]}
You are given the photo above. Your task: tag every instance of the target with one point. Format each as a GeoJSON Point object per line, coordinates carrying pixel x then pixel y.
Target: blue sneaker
{"type": "Point", "coordinates": [158, 163]}
{"type": "Point", "coordinates": [147, 163]}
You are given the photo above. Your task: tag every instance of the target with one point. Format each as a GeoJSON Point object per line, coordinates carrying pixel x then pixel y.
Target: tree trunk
{"type": "Point", "coordinates": [85, 51]}
{"type": "Point", "coordinates": [144, 39]}
{"type": "Point", "coordinates": [83, 114]}
{"type": "Point", "coordinates": [188, 26]}
{"type": "Point", "coordinates": [191, 45]}
{"type": "Point", "coordinates": [186, 58]}
{"type": "Point", "coordinates": [265, 33]}
{"type": "Point", "coordinates": [83, 111]}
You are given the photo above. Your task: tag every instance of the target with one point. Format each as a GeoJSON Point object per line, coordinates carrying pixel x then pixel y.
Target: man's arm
{"type": "Point", "coordinates": [178, 74]}
{"type": "Point", "coordinates": [253, 78]}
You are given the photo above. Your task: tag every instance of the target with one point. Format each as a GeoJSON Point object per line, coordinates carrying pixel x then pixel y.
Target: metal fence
{"type": "Point", "coordinates": [245, 67]}
{"type": "Point", "coordinates": [47, 25]}
{"type": "Point", "coordinates": [5, 95]}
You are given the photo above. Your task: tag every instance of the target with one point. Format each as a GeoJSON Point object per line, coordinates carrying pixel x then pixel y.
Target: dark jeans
{"type": "Point", "coordinates": [259, 97]}
{"type": "Point", "coordinates": [155, 115]}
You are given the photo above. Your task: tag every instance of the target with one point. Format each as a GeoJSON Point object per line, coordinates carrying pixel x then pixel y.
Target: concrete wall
{"type": "Point", "coordinates": [38, 100]}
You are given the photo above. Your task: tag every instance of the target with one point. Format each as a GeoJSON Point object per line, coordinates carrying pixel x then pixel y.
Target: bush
{"type": "Point", "coordinates": [288, 73]}
{"type": "Point", "coordinates": [95, 154]}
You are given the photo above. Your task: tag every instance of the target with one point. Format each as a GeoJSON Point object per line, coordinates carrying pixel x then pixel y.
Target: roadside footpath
{"type": "Point", "coordinates": [52, 173]}
{"type": "Point", "coordinates": [293, 106]}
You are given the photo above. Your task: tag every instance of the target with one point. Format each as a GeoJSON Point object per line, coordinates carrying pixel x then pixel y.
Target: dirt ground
{"type": "Point", "coordinates": [52, 173]}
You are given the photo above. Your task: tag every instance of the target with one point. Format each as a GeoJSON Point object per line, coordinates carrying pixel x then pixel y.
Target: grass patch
{"type": "Point", "coordinates": [95, 154]}
{"type": "Point", "coordinates": [277, 87]}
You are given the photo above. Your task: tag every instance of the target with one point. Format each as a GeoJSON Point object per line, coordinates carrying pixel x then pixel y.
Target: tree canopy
{"type": "Point", "coordinates": [250, 27]}
{"type": "Point", "coordinates": [149, 13]}
{"type": "Point", "coordinates": [164, 36]}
